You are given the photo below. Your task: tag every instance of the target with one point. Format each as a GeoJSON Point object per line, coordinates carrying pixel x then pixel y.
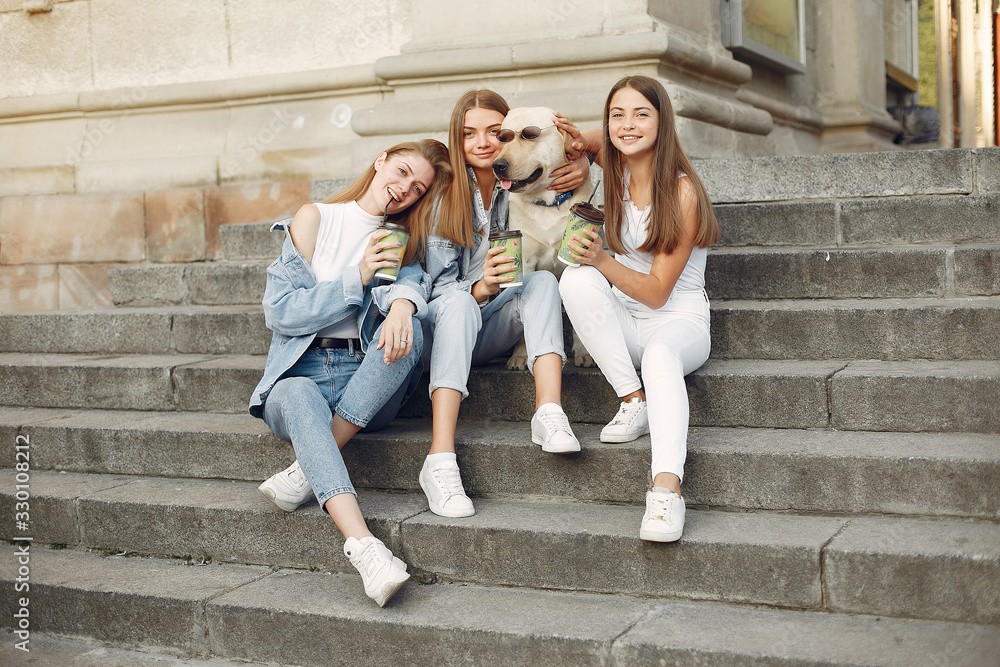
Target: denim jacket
{"type": "Point", "coordinates": [448, 264]}
{"type": "Point", "coordinates": [296, 306]}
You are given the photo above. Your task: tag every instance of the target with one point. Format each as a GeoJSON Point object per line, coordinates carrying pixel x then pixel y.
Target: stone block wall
{"type": "Point", "coordinates": [55, 250]}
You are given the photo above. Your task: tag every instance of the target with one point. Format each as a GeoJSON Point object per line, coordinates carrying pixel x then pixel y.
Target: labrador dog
{"type": "Point", "coordinates": [533, 149]}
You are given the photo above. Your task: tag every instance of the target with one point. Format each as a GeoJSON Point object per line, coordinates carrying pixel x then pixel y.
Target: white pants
{"type": "Point", "coordinates": [664, 345]}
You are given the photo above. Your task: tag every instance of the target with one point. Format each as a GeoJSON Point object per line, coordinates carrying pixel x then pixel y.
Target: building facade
{"type": "Point", "coordinates": [130, 113]}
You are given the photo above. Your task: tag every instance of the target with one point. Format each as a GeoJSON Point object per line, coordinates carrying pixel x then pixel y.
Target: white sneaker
{"type": "Point", "coordinates": [442, 485]}
{"type": "Point", "coordinates": [382, 573]}
{"type": "Point", "coordinates": [664, 517]}
{"type": "Point", "coordinates": [287, 489]}
{"type": "Point", "coordinates": [630, 422]}
{"type": "Point", "coordinates": [550, 429]}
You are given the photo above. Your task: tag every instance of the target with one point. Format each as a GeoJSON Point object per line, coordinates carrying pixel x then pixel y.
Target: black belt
{"type": "Point", "coordinates": [335, 343]}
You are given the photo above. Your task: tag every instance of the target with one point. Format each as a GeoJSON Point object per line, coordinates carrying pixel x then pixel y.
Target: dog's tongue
{"type": "Point", "coordinates": [506, 184]}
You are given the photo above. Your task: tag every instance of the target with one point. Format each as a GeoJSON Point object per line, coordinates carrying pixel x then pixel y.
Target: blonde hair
{"type": "Point", "coordinates": [456, 206]}
{"type": "Point", "coordinates": [417, 216]}
{"type": "Point", "coordinates": [666, 225]}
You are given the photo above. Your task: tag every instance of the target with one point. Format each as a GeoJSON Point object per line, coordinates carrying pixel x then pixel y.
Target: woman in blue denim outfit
{"type": "Point", "coordinates": [343, 351]}
{"type": "Point", "coordinates": [471, 321]}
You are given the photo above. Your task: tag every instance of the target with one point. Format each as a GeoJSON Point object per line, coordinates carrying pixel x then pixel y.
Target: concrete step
{"type": "Point", "coordinates": [733, 273]}
{"type": "Point", "coordinates": [250, 240]}
{"type": "Point", "coordinates": [845, 472]}
{"type": "Point", "coordinates": [952, 396]}
{"type": "Point", "coordinates": [842, 273]}
{"type": "Point", "coordinates": [144, 330]}
{"type": "Point", "coordinates": [287, 617]}
{"type": "Point", "coordinates": [874, 565]}
{"type": "Point", "coordinates": [890, 329]}
{"type": "Point", "coordinates": [852, 175]}
{"type": "Point", "coordinates": [219, 283]}
{"type": "Point", "coordinates": [949, 219]}
{"type": "Point", "coordinates": [56, 651]}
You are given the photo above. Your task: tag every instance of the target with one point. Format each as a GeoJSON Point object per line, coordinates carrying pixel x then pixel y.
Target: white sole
{"type": "Point", "coordinates": [660, 537]}
{"type": "Point", "coordinates": [551, 450]}
{"type": "Point", "coordinates": [624, 438]}
{"type": "Point", "coordinates": [268, 493]}
{"type": "Point", "coordinates": [389, 589]}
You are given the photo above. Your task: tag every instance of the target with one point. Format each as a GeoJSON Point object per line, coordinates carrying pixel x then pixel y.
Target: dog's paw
{"type": "Point", "coordinates": [584, 360]}
{"type": "Point", "coordinates": [517, 362]}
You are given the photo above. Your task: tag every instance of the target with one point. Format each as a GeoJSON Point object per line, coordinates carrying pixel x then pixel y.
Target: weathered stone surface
{"type": "Point", "coordinates": [977, 271]}
{"type": "Point", "coordinates": [533, 544]}
{"type": "Point", "coordinates": [892, 329]}
{"type": "Point", "coordinates": [250, 240]}
{"type": "Point", "coordinates": [175, 225]}
{"type": "Point", "coordinates": [145, 173]}
{"type": "Point", "coordinates": [787, 224]}
{"type": "Point", "coordinates": [148, 285]}
{"type": "Point", "coordinates": [47, 180]}
{"type": "Point", "coordinates": [169, 48]}
{"type": "Point", "coordinates": [28, 44]}
{"type": "Point", "coordinates": [234, 330]}
{"type": "Point", "coordinates": [826, 273]}
{"type": "Point", "coordinates": [940, 396]}
{"type": "Point", "coordinates": [82, 285]}
{"type": "Point", "coordinates": [29, 287]}
{"type": "Point", "coordinates": [908, 220]}
{"type": "Point", "coordinates": [250, 203]}
{"type": "Point", "coordinates": [78, 228]}
{"type": "Point", "coordinates": [223, 384]}
{"type": "Point", "coordinates": [421, 625]}
{"type": "Point", "coordinates": [80, 381]}
{"type": "Point", "coordinates": [919, 569]}
{"type": "Point", "coordinates": [224, 283]}
{"type": "Point", "coordinates": [690, 635]}
{"type": "Point", "coordinates": [131, 602]}
{"type": "Point", "coordinates": [105, 331]}
{"type": "Point", "coordinates": [988, 171]}
{"type": "Point", "coordinates": [843, 175]}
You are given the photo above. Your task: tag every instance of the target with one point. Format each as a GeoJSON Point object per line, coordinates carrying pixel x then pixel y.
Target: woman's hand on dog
{"type": "Point", "coordinates": [573, 175]}
{"type": "Point", "coordinates": [587, 248]}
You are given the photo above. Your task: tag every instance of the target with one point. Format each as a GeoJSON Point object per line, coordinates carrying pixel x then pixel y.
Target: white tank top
{"type": "Point", "coordinates": [634, 231]}
{"type": "Point", "coordinates": [343, 233]}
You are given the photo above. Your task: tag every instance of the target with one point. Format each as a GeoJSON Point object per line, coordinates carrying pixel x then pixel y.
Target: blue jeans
{"type": "Point", "coordinates": [459, 334]}
{"type": "Point", "coordinates": [361, 388]}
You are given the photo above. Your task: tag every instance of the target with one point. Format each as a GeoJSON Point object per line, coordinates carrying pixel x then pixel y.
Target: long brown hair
{"type": "Point", "coordinates": [417, 216]}
{"type": "Point", "coordinates": [456, 210]}
{"type": "Point", "coordinates": [666, 226]}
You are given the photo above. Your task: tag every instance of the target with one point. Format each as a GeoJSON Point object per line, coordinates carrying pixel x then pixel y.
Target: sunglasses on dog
{"type": "Point", "coordinates": [529, 133]}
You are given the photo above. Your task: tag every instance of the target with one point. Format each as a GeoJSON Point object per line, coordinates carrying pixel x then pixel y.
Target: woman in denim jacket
{"type": "Point", "coordinates": [344, 352]}
{"type": "Point", "coordinates": [471, 320]}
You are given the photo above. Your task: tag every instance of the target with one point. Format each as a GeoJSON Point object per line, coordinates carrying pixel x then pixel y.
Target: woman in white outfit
{"type": "Point", "coordinates": [643, 313]}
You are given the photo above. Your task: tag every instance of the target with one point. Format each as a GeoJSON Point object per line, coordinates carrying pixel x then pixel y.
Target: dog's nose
{"type": "Point", "coordinates": [500, 167]}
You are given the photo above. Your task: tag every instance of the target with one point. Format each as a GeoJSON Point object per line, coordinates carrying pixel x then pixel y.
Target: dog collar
{"type": "Point", "coordinates": [560, 198]}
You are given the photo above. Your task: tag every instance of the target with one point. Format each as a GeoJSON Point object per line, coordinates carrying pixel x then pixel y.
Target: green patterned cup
{"type": "Point", "coordinates": [581, 217]}
{"type": "Point", "coordinates": [400, 235]}
{"type": "Point", "coordinates": [510, 241]}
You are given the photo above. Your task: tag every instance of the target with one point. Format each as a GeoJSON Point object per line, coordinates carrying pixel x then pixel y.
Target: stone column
{"type": "Point", "coordinates": [566, 56]}
{"type": "Point", "coordinates": [850, 76]}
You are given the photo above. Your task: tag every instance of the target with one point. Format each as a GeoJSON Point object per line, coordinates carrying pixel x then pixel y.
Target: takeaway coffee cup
{"type": "Point", "coordinates": [400, 235]}
{"type": "Point", "coordinates": [581, 217]}
{"type": "Point", "coordinates": [510, 241]}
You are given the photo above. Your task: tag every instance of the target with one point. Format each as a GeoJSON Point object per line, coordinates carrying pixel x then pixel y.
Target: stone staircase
{"type": "Point", "coordinates": [842, 480]}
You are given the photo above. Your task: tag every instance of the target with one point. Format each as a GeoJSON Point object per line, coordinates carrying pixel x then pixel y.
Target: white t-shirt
{"type": "Point", "coordinates": [634, 231]}
{"type": "Point", "coordinates": [344, 230]}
